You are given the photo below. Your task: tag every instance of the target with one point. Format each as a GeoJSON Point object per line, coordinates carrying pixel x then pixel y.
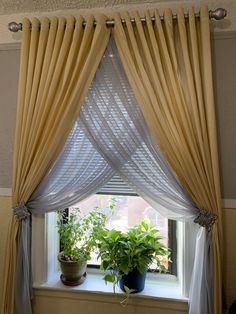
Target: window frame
{"type": "Point", "coordinates": [117, 187]}
{"type": "Point", "coordinates": [45, 248]}
{"type": "Point", "coordinates": [172, 241]}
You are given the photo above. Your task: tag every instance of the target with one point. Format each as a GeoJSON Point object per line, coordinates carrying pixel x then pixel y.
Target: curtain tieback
{"type": "Point", "coordinates": [206, 219]}
{"type": "Point", "coordinates": [21, 212]}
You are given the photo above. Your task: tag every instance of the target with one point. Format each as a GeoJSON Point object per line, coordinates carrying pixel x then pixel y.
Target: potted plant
{"type": "Point", "coordinates": [78, 236]}
{"type": "Point", "coordinates": [126, 256]}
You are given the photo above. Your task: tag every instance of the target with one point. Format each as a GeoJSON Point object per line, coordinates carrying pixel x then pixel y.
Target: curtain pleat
{"type": "Point", "coordinates": [168, 64]}
{"type": "Point", "coordinates": [58, 62]}
{"type": "Point", "coordinates": [54, 94]}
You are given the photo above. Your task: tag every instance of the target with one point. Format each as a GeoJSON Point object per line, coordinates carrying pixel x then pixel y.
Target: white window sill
{"type": "Point", "coordinates": [158, 286]}
{"type": "Point", "coordinates": [162, 293]}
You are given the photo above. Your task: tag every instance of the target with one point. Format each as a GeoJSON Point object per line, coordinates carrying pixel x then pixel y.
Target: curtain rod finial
{"type": "Point", "coordinates": [14, 27]}
{"type": "Point", "coordinates": [218, 14]}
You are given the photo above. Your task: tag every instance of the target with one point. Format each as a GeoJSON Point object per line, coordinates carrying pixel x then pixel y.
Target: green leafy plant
{"type": "Point", "coordinates": [138, 248]}
{"type": "Point", "coordinates": [78, 233]}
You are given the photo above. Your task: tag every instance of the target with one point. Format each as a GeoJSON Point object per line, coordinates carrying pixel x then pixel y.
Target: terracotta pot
{"type": "Point", "coordinates": [73, 273]}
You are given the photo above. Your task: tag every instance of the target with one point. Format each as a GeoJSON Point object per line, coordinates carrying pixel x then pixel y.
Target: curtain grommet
{"type": "Point", "coordinates": [21, 212]}
{"type": "Point", "coordinates": [206, 219]}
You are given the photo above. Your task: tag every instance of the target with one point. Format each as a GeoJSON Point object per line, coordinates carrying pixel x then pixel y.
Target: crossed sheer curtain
{"type": "Point", "coordinates": [174, 167]}
{"type": "Point", "coordinates": [111, 137]}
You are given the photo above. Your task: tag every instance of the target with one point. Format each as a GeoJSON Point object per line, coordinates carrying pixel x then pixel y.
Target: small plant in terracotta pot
{"type": "Point", "coordinates": [78, 236]}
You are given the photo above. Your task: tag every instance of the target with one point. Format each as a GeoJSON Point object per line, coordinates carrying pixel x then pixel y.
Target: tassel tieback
{"type": "Point", "coordinates": [21, 212]}
{"type": "Point", "coordinates": [206, 219]}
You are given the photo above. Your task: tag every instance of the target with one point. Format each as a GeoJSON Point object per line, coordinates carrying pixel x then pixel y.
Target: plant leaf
{"type": "Point", "coordinates": [109, 278]}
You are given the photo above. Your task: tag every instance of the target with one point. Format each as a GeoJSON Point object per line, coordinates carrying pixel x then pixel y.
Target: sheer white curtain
{"type": "Point", "coordinates": [110, 136]}
{"type": "Point", "coordinates": [115, 126]}
{"type": "Point", "coordinates": [78, 173]}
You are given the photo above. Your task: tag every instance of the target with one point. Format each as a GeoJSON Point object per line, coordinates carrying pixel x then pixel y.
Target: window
{"type": "Point", "coordinates": [130, 209]}
{"type": "Point", "coordinates": [181, 236]}
{"type": "Point", "coordinates": [46, 270]}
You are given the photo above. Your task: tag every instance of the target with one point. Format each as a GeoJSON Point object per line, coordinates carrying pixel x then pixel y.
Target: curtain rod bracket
{"type": "Point", "coordinates": [217, 14]}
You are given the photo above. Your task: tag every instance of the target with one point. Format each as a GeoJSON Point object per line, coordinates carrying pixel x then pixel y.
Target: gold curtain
{"type": "Point", "coordinates": [59, 58]}
{"type": "Point", "coordinates": [168, 64]}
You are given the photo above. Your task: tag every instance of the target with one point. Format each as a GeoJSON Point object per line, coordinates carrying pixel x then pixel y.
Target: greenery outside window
{"type": "Point", "coordinates": [130, 209]}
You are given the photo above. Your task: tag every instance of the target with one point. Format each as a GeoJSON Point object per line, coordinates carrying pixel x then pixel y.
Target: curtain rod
{"type": "Point", "coordinates": [217, 14]}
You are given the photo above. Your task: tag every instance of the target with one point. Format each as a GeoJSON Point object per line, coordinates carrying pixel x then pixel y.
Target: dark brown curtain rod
{"type": "Point", "coordinates": [217, 14]}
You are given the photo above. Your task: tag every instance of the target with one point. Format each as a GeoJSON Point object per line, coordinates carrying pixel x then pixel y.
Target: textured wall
{"type": "Point", "coordinates": [63, 302]}
{"type": "Point", "coordinates": [16, 6]}
{"type": "Point", "coordinates": [225, 94]}
{"type": "Point", "coordinates": [5, 214]}
{"type": "Point", "coordinates": [19, 6]}
{"type": "Point", "coordinates": [229, 255]}
{"type": "Point", "coordinates": [16, 10]}
{"type": "Point", "coordinates": [9, 67]}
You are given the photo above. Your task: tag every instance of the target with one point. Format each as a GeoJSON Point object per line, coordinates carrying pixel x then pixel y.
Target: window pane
{"type": "Point", "coordinates": [129, 211]}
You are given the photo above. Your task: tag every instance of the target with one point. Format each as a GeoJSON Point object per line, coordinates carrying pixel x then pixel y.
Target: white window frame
{"type": "Point", "coordinates": [46, 270]}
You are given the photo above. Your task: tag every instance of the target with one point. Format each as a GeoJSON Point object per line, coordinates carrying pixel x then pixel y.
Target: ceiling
{"type": "Point", "coordinates": [21, 6]}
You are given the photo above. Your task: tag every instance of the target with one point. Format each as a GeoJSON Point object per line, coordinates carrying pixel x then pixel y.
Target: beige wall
{"type": "Point", "coordinates": [48, 302]}
{"type": "Point", "coordinates": [107, 7]}
{"type": "Point", "coordinates": [224, 65]}
{"type": "Point", "coordinates": [229, 255]}
{"type": "Point", "coordinates": [9, 68]}
{"type": "Point", "coordinates": [5, 214]}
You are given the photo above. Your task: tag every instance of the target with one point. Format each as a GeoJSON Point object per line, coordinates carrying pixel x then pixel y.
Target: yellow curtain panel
{"type": "Point", "coordinates": [59, 58]}
{"type": "Point", "coordinates": [168, 64]}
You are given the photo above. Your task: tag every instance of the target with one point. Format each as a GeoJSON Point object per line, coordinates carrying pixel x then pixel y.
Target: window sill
{"type": "Point", "coordinates": [158, 287]}
{"type": "Point", "coordinates": [162, 293]}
